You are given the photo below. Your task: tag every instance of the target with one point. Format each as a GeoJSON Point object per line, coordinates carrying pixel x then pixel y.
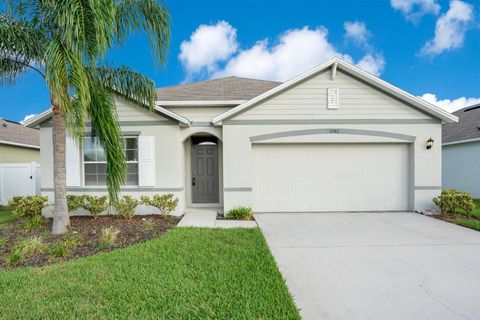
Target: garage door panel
{"type": "Point", "coordinates": [330, 177]}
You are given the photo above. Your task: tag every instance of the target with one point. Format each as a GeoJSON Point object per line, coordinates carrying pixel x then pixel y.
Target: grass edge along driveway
{"type": "Point", "coordinates": [190, 273]}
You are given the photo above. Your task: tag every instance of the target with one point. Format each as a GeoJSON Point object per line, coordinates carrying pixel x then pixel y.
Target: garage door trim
{"type": "Point", "coordinates": [306, 132]}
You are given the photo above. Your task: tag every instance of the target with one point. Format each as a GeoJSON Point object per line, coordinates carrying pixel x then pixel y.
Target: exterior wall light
{"type": "Point", "coordinates": [430, 143]}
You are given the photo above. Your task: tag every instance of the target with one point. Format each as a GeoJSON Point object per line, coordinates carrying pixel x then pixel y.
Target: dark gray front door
{"type": "Point", "coordinates": [205, 174]}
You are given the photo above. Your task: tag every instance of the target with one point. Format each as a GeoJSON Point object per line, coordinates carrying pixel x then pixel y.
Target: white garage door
{"type": "Point", "coordinates": [330, 177]}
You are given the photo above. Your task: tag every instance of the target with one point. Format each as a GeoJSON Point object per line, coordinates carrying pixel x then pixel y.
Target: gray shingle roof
{"type": "Point", "coordinates": [230, 88]}
{"type": "Point", "coordinates": [14, 132]}
{"type": "Point", "coordinates": [467, 126]}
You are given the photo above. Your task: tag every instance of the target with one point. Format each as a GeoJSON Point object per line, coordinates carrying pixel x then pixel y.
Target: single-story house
{"type": "Point", "coordinates": [334, 138]}
{"type": "Point", "coordinates": [19, 160]}
{"type": "Point", "coordinates": [461, 152]}
{"type": "Point", "coordinates": [18, 144]}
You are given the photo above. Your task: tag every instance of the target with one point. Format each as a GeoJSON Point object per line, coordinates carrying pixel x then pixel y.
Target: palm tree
{"type": "Point", "coordinates": [65, 43]}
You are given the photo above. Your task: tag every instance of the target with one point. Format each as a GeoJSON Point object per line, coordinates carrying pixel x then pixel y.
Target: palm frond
{"type": "Point", "coordinates": [106, 127]}
{"type": "Point", "coordinates": [146, 15]}
{"type": "Point", "coordinates": [127, 83]}
{"type": "Point", "coordinates": [21, 48]}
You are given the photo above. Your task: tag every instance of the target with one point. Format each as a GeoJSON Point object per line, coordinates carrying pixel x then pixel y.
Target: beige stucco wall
{"type": "Point", "coordinates": [15, 154]}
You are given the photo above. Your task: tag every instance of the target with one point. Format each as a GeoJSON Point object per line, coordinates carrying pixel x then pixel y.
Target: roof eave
{"type": "Point", "coordinates": [194, 103]}
{"type": "Point", "coordinates": [460, 141]}
{"type": "Point", "coordinates": [39, 118]}
{"type": "Point", "coordinates": [45, 115]}
{"type": "Point", "coordinates": [17, 144]}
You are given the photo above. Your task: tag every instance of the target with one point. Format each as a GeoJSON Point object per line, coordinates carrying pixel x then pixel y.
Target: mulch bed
{"type": "Point", "coordinates": [83, 236]}
{"type": "Point", "coordinates": [460, 220]}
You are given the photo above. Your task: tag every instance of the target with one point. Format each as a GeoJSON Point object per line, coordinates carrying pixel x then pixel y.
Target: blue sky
{"type": "Point", "coordinates": [422, 46]}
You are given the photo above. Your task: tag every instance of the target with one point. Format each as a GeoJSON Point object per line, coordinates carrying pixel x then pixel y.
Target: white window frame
{"type": "Point", "coordinates": [105, 162]}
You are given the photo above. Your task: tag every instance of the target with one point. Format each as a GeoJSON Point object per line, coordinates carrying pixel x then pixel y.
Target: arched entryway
{"type": "Point", "coordinates": [204, 170]}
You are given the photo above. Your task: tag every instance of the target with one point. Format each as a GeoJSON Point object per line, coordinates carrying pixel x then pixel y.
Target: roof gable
{"type": "Point", "coordinates": [348, 69]}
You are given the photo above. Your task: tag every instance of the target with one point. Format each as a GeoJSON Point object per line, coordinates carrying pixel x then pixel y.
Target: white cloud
{"type": "Point", "coordinates": [28, 116]}
{"type": "Point", "coordinates": [413, 10]}
{"type": "Point", "coordinates": [450, 29]}
{"type": "Point", "coordinates": [297, 50]}
{"type": "Point", "coordinates": [357, 32]}
{"type": "Point", "coordinates": [208, 45]}
{"type": "Point", "coordinates": [373, 63]}
{"type": "Point", "coordinates": [450, 105]}
{"type": "Point", "coordinates": [294, 52]}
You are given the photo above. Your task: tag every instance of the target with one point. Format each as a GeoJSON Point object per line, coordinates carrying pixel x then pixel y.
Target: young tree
{"type": "Point", "coordinates": [65, 43]}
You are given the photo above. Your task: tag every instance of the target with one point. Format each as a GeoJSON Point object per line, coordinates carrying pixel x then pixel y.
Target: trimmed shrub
{"type": "Point", "coordinates": [108, 237]}
{"type": "Point", "coordinates": [58, 250]}
{"type": "Point", "coordinates": [28, 206]}
{"type": "Point", "coordinates": [95, 205]}
{"type": "Point", "coordinates": [166, 203]}
{"type": "Point", "coordinates": [240, 213]}
{"type": "Point", "coordinates": [125, 206]}
{"type": "Point", "coordinates": [452, 201]}
{"type": "Point", "coordinates": [75, 202]}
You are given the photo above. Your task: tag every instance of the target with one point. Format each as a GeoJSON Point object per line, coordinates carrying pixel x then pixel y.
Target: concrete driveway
{"type": "Point", "coordinates": [376, 265]}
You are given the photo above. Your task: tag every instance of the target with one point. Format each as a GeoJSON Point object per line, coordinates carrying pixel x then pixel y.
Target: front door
{"type": "Point", "coordinates": [205, 173]}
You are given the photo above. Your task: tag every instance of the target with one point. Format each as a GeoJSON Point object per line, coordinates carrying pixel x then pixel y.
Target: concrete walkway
{"type": "Point", "coordinates": [393, 266]}
{"type": "Point", "coordinates": [207, 218]}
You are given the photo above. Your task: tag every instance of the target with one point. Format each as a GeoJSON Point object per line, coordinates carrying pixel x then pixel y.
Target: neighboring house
{"type": "Point", "coordinates": [18, 144]}
{"type": "Point", "coordinates": [19, 160]}
{"type": "Point", "coordinates": [335, 138]}
{"type": "Point", "coordinates": [461, 152]}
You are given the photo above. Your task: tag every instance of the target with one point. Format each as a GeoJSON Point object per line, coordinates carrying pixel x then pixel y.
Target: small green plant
{"type": "Point", "coordinates": [149, 225]}
{"type": "Point", "coordinates": [452, 201]}
{"type": "Point", "coordinates": [125, 206]}
{"type": "Point", "coordinates": [73, 242]}
{"type": "Point", "coordinates": [31, 246]}
{"type": "Point", "coordinates": [58, 250]}
{"type": "Point", "coordinates": [28, 206]}
{"type": "Point", "coordinates": [108, 237]}
{"type": "Point", "coordinates": [166, 203]}
{"type": "Point", "coordinates": [34, 223]}
{"type": "Point", "coordinates": [75, 202]}
{"type": "Point", "coordinates": [14, 258]}
{"type": "Point", "coordinates": [3, 242]}
{"type": "Point", "coordinates": [95, 205]}
{"type": "Point", "coordinates": [240, 213]}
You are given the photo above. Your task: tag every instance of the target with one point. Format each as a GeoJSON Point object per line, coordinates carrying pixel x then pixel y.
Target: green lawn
{"type": "Point", "coordinates": [7, 216]}
{"type": "Point", "coordinates": [189, 273]}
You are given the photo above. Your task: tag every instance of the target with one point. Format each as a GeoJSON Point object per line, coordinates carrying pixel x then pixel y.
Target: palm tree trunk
{"type": "Point", "coordinates": [61, 218]}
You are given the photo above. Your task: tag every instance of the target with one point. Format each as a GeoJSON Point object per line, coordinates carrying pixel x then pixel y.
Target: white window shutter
{"type": "Point", "coordinates": [72, 162]}
{"type": "Point", "coordinates": [146, 161]}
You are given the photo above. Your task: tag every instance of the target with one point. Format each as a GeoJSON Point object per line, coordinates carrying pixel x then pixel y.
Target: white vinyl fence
{"type": "Point", "coordinates": [19, 179]}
